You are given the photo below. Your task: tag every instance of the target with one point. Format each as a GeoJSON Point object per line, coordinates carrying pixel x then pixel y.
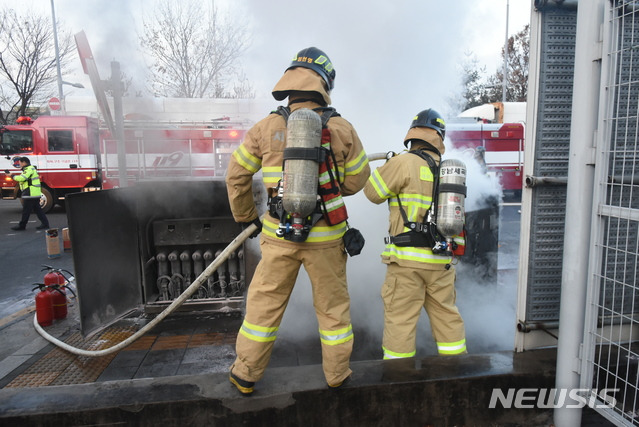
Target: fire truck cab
{"type": "Point", "coordinates": [63, 151]}
{"type": "Point", "coordinates": [74, 153]}
{"type": "Point", "coordinates": [499, 146]}
{"type": "Point", "coordinates": [495, 132]}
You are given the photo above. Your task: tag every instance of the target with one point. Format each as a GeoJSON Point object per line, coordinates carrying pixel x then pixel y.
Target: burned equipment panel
{"type": "Point", "coordinates": [140, 247]}
{"type": "Point", "coordinates": [182, 249]}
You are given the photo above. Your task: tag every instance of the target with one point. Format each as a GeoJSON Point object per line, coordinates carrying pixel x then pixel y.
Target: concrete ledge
{"type": "Point", "coordinates": [428, 391]}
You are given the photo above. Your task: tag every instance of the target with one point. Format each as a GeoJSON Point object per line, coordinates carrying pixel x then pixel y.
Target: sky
{"type": "Point", "coordinates": [392, 59]}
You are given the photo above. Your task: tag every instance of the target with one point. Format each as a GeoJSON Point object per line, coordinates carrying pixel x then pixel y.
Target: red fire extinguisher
{"type": "Point", "coordinates": [55, 281]}
{"type": "Point", "coordinates": [44, 305]}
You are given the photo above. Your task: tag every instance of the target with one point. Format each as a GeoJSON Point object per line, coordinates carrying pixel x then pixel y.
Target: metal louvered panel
{"type": "Point", "coordinates": [552, 144]}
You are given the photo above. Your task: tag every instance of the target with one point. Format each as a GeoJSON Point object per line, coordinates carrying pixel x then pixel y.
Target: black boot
{"type": "Point", "coordinates": [244, 387]}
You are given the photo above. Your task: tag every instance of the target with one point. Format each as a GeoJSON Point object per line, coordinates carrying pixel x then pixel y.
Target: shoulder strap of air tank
{"type": "Point", "coordinates": [434, 168]}
{"type": "Point", "coordinates": [326, 113]}
{"type": "Point", "coordinates": [283, 111]}
{"type": "Point", "coordinates": [431, 162]}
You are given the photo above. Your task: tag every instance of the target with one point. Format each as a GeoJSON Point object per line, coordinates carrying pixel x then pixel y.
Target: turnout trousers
{"type": "Point", "coordinates": [405, 291]}
{"type": "Point", "coordinates": [268, 296]}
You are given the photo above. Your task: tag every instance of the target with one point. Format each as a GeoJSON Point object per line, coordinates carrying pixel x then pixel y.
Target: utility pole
{"type": "Point", "coordinates": [116, 88]}
{"type": "Point", "coordinates": [505, 71]}
{"type": "Point", "coordinates": [57, 59]}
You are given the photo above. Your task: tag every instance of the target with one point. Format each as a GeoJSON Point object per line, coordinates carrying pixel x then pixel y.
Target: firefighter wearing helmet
{"type": "Point", "coordinates": [418, 275]}
{"type": "Point", "coordinates": [288, 241]}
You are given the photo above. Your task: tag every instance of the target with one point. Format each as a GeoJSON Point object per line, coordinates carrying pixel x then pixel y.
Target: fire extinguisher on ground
{"type": "Point", "coordinates": [44, 305]}
{"type": "Point", "coordinates": [56, 283]}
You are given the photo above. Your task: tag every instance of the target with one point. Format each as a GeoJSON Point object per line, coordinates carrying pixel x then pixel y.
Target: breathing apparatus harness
{"type": "Point", "coordinates": [328, 190]}
{"type": "Point", "coordinates": [425, 233]}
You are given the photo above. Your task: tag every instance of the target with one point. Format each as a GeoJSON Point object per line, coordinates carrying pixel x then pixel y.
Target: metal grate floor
{"type": "Point", "coordinates": [151, 355]}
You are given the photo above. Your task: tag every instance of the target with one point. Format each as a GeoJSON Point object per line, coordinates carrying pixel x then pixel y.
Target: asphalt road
{"type": "Point", "coordinates": [22, 255]}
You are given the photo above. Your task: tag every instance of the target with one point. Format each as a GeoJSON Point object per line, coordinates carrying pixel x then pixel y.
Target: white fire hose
{"type": "Point", "coordinates": [175, 304]}
{"type": "Point", "coordinates": [380, 156]}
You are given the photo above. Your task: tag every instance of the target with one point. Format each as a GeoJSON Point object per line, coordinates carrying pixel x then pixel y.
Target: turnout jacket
{"type": "Point", "coordinates": [263, 148]}
{"type": "Point", "coordinates": [407, 177]}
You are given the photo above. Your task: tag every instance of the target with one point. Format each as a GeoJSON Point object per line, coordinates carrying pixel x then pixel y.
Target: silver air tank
{"type": "Point", "coordinates": [304, 130]}
{"type": "Point", "coordinates": [452, 193]}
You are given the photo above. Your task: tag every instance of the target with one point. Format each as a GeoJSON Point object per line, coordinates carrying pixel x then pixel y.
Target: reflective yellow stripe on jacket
{"type": "Point", "coordinates": [410, 253]}
{"type": "Point", "coordinates": [356, 165]}
{"type": "Point", "coordinates": [271, 175]}
{"type": "Point", "coordinates": [379, 185]}
{"type": "Point", "coordinates": [247, 160]}
{"type": "Point", "coordinates": [412, 203]}
{"type": "Point", "coordinates": [317, 233]}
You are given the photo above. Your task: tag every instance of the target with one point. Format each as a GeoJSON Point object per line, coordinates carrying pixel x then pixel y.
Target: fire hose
{"type": "Point", "coordinates": [380, 156]}
{"type": "Point", "coordinates": [179, 300]}
{"type": "Point", "coordinates": [235, 244]}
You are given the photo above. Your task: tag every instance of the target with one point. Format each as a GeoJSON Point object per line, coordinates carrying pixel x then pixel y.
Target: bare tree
{"type": "Point", "coordinates": [242, 88]}
{"type": "Point", "coordinates": [478, 90]}
{"type": "Point", "coordinates": [517, 68]}
{"type": "Point", "coordinates": [28, 62]}
{"type": "Point", "coordinates": [473, 85]}
{"type": "Point", "coordinates": [194, 54]}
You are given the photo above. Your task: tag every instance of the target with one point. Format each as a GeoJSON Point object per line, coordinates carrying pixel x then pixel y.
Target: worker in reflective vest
{"type": "Point", "coordinates": [30, 186]}
{"type": "Point", "coordinates": [307, 84]}
{"type": "Point", "coordinates": [416, 277]}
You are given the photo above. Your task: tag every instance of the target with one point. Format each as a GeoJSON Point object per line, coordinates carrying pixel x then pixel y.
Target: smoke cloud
{"type": "Point", "coordinates": [392, 60]}
{"type": "Point", "coordinates": [481, 187]}
{"type": "Point", "coordinates": [488, 309]}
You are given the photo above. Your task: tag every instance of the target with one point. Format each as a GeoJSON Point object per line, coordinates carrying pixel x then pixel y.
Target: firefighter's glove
{"type": "Point", "coordinates": [257, 222]}
{"type": "Point", "coordinates": [7, 172]}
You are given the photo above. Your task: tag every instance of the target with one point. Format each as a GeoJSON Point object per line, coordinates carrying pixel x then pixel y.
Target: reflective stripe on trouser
{"type": "Point", "coordinates": [268, 295]}
{"type": "Point", "coordinates": [405, 292]}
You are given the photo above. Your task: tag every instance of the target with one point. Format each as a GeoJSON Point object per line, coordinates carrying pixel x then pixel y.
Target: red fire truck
{"type": "Point", "coordinates": [74, 153]}
{"type": "Point", "coordinates": [502, 147]}
{"type": "Point", "coordinates": [500, 144]}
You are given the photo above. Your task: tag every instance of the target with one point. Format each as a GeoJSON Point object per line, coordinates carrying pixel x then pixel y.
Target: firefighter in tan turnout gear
{"type": "Point", "coordinates": [419, 272]}
{"type": "Point", "coordinates": [289, 241]}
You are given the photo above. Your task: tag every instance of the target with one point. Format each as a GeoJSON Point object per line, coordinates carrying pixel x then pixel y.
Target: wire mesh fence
{"type": "Point", "coordinates": [612, 327]}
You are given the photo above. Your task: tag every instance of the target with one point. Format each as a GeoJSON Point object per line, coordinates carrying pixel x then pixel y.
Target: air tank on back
{"type": "Point", "coordinates": [452, 195]}
{"type": "Point", "coordinates": [300, 178]}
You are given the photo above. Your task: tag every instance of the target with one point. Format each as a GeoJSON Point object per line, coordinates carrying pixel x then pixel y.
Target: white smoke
{"type": "Point", "coordinates": [488, 309]}
{"type": "Point", "coordinates": [408, 62]}
{"type": "Point", "coordinates": [481, 186]}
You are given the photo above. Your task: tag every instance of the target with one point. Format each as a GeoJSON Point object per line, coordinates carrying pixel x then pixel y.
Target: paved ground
{"type": "Point", "coordinates": [191, 346]}
{"type": "Point", "coordinates": [22, 254]}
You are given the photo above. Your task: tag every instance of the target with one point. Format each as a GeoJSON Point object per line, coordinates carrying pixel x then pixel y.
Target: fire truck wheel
{"type": "Point", "coordinates": [46, 200]}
